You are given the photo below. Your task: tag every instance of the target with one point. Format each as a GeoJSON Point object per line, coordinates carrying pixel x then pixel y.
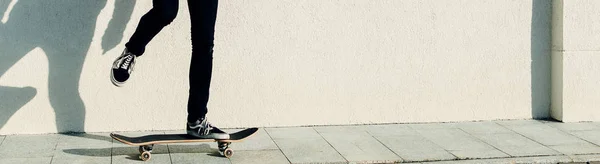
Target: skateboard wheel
{"type": "Point", "coordinates": [145, 156]}
{"type": "Point", "coordinates": [228, 153]}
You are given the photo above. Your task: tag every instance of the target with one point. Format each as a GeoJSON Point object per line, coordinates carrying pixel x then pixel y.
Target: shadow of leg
{"type": "Point", "coordinates": [114, 33]}
{"type": "Point", "coordinates": [13, 99]}
{"type": "Point", "coordinates": [63, 88]}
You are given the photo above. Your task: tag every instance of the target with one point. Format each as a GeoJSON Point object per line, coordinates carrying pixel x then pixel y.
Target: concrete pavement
{"type": "Point", "coordinates": [512, 141]}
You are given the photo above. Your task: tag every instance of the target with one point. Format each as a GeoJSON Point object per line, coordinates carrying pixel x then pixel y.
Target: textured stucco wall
{"type": "Point", "coordinates": [576, 60]}
{"type": "Point", "coordinates": [277, 63]}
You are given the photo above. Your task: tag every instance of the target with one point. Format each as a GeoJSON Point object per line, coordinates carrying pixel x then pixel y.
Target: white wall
{"type": "Point", "coordinates": [576, 60]}
{"type": "Point", "coordinates": [278, 63]}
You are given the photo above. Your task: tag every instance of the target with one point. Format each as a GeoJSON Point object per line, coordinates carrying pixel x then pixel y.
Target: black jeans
{"type": "Point", "coordinates": [203, 14]}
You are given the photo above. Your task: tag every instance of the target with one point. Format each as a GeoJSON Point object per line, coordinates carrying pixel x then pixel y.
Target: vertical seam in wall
{"type": "Point", "coordinates": [540, 63]}
{"type": "Point", "coordinates": [556, 59]}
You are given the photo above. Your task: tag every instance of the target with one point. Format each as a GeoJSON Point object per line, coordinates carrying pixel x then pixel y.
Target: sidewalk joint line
{"type": "Point", "coordinates": [561, 153]}
{"type": "Point", "coordinates": [479, 139]}
{"type": "Point", "coordinates": [438, 145]}
{"type": "Point", "coordinates": [386, 146]}
{"type": "Point", "coordinates": [573, 135]}
{"type": "Point", "coordinates": [3, 138]}
{"type": "Point", "coordinates": [169, 151]}
{"type": "Point", "coordinates": [271, 137]}
{"type": "Point", "coordinates": [330, 145]}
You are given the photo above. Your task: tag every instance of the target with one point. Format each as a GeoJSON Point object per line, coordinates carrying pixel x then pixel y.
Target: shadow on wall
{"type": "Point", "coordinates": [63, 29]}
{"type": "Point", "coordinates": [541, 16]}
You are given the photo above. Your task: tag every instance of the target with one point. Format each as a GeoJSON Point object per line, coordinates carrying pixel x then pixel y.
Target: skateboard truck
{"type": "Point", "coordinates": [145, 152]}
{"type": "Point", "coordinates": [224, 149]}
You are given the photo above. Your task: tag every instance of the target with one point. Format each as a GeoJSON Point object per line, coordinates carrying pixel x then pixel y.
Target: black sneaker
{"type": "Point", "coordinates": [122, 68]}
{"type": "Point", "coordinates": [203, 129]}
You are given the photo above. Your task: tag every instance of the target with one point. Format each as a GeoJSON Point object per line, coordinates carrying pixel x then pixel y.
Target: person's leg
{"type": "Point", "coordinates": [161, 15]}
{"type": "Point", "coordinates": [203, 14]}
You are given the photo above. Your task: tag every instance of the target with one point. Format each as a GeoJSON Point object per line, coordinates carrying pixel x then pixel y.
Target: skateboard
{"type": "Point", "coordinates": [147, 142]}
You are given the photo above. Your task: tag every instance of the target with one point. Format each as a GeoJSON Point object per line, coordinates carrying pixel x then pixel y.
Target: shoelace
{"type": "Point", "coordinates": [206, 129]}
{"type": "Point", "coordinates": [127, 61]}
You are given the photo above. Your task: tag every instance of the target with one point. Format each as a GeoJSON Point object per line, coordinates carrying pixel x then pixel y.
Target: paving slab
{"type": "Point", "coordinates": [357, 145]}
{"type": "Point", "coordinates": [460, 143]}
{"type": "Point", "coordinates": [304, 145]}
{"type": "Point", "coordinates": [407, 143]}
{"type": "Point", "coordinates": [132, 159]}
{"type": "Point", "coordinates": [486, 127]}
{"type": "Point", "coordinates": [26, 146]}
{"type": "Point", "coordinates": [84, 151]}
{"type": "Point", "coordinates": [78, 139]}
{"type": "Point", "coordinates": [82, 144]}
{"type": "Point", "coordinates": [520, 141]}
{"type": "Point", "coordinates": [81, 160]}
{"type": "Point", "coordinates": [431, 126]}
{"type": "Point", "coordinates": [25, 160]}
{"type": "Point", "coordinates": [574, 149]}
{"type": "Point", "coordinates": [515, 145]}
{"type": "Point", "coordinates": [412, 148]}
{"type": "Point", "coordinates": [576, 126]}
{"type": "Point", "coordinates": [561, 141]}
{"type": "Point", "coordinates": [546, 135]}
{"type": "Point", "coordinates": [524, 160]}
{"type": "Point", "coordinates": [390, 129]}
{"type": "Point", "coordinates": [518, 122]}
{"type": "Point", "coordinates": [585, 158]}
{"type": "Point", "coordinates": [259, 141]}
{"type": "Point", "coordinates": [259, 156]}
{"type": "Point", "coordinates": [293, 132]}
{"type": "Point", "coordinates": [590, 136]}
{"type": "Point", "coordinates": [181, 158]}
{"type": "Point", "coordinates": [341, 129]}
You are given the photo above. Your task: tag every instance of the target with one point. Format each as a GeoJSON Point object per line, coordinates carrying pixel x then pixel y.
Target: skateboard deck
{"type": "Point", "coordinates": [147, 142]}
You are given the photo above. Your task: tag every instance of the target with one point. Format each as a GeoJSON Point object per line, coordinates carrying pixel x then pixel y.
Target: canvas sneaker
{"type": "Point", "coordinates": [203, 129]}
{"type": "Point", "coordinates": [122, 68]}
